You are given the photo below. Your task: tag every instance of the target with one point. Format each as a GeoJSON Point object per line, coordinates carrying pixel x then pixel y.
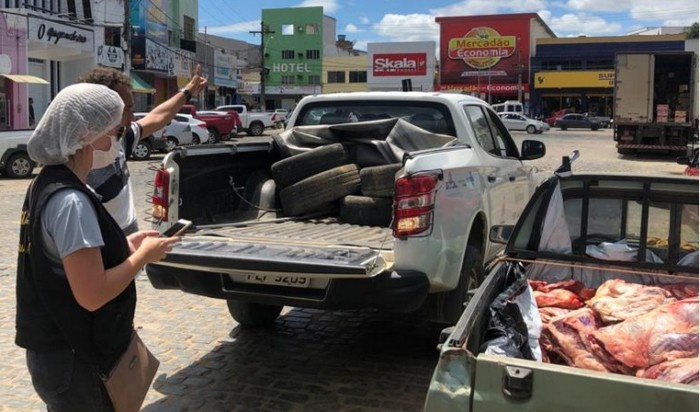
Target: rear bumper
{"type": "Point", "coordinates": [401, 291]}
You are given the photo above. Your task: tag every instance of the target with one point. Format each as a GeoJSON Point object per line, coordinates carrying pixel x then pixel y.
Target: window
{"type": "Point", "coordinates": [188, 28]}
{"type": "Point", "coordinates": [287, 29]}
{"type": "Point", "coordinates": [311, 29]}
{"type": "Point", "coordinates": [358, 76]}
{"type": "Point", "coordinates": [481, 129]}
{"type": "Point", "coordinates": [288, 80]}
{"type": "Point", "coordinates": [336, 77]}
{"type": "Point", "coordinates": [505, 144]}
{"type": "Point", "coordinates": [313, 54]}
{"type": "Point", "coordinates": [113, 36]}
{"type": "Point", "coordinates": [287, 54]}
{"type": "Point", "coordinates": [314, 79]}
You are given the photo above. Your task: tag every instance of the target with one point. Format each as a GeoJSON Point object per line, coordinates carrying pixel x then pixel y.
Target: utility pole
{"type": "Point", "coordinates": [126, 34]}
{"type": "Point", "coordinates": [263, 72]}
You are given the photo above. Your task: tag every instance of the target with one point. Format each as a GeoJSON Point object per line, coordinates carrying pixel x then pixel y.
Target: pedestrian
{"type": "Point", "coordinates": [110, 177]}
{"type": "Point", "coordinates": [76, 294]}
{"type": "Point", "coordinates": [31, 112]}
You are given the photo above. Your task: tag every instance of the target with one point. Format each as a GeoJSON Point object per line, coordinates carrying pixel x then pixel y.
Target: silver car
{"type": "Point", "coordinates": [517, 121]}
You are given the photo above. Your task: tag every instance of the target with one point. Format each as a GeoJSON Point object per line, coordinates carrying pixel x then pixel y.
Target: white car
{"type": "Point", "coordinates": [517, 121]}
{"type": "Point", "coordinates": [181, 131]}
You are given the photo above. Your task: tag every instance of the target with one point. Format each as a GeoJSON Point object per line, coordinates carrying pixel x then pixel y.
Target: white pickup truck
{"type": "Point", "coordinates": [14, 160]}
{"type": "Point", "coordinates": [254, 123]}
{"type": "Point", "coordinates": [388, 211]}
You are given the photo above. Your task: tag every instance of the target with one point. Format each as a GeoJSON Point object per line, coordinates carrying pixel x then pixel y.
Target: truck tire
{"type": "Point", "coordinates": [19, 166]}
{"type": "Point", "coordinates": [256, 129]}
{"type": "Point", "coordinates": [626, 151]}
{"type": "Point", "coordinates": [293, 169]}
{"type": "Point", "coordinates": [253, 314]}
{"type": "Point", "coordinates": [470, 277]}
{"type": "Point", "coordinates": [320, 189]}
{"type": "Point", "coordinates": [378, 181]}
{"type": "Point", "coordinates": [366, 211]}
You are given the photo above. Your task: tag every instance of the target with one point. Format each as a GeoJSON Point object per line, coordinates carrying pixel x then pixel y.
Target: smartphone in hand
{"type": "Point", "coordinates": [177, 229]}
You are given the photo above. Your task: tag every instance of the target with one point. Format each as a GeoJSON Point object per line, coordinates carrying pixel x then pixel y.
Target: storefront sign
{"type": "Point", "coordinates": [481, 47]}
{"type": "Point", "coordinates": [399, 64]}
{"type": "Point", "coordinates": [57, 34]}
{"type": "Point", "coordinates": [499, 88]}
{"type": "Point", "coordinates": [110, 56]}
{"type": "Point", "coordinates": [574, 79]}
{"type": "Point", "coordinates": [183, 63]}
{"type": "Point", "coordinates": [291, 68]}
{"type": "Point", "coordinates": [158, 58]}
{"type": "Point", "coordinates": [225, 70]}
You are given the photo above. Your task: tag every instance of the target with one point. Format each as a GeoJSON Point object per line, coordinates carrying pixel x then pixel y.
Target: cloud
{"type": "Point", "coordinates": [364, 20]}
{"type": "Point", "coordinates": [489, 7]}
{"type": "Point", "coordinates": [351, 28]}
{"type": "Point", "coordinates": [581, 24]}
{"type": "Point", "coordinates": [409, 27]}
{"type": "Point", "coordinates": [243, 27]}
{"type": "Point", "coordinates": [329, 6]}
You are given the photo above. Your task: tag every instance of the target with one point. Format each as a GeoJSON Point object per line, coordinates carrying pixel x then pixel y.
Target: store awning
{"type": "Point", "coordinates": [24, 78]}
{"type": "Point", "coordinates": [139, 85]}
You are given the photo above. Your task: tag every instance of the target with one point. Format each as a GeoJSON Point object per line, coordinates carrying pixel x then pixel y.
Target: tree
{"type": "Point", "coordinates": [691, 32]}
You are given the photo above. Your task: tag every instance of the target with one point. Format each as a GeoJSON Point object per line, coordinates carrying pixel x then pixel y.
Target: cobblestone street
{"type": "Point", "coordinates": [311, 360]}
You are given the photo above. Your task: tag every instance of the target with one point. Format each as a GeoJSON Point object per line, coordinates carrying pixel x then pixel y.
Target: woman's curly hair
{"type": "Point", "coordinates": [106, 76]}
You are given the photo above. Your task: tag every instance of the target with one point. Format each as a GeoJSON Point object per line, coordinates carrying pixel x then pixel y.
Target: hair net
{"type": "Point", "coordinates": [77, 116]}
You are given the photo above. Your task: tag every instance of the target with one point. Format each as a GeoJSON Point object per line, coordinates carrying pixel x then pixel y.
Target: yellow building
{"type": "Point", "coordinates": [344, 74]}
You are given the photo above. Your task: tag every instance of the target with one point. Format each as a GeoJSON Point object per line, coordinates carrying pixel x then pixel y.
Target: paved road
{"type": "Point", "coordinates": [309, 361]}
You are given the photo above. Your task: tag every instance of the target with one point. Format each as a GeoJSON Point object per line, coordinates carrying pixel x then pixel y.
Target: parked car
{"type": "Point", "coordinates": [604, 121]}
{"type": "Point", "coordinates": [254, 122]}
{"type": "Point", "coordinates": [200, 134]}
{"type": "Point", "coordinates": [156, 142]}
{"type": "Point", "coordinates": [576, 121]}
{"type": "Point", "coordinates": [14, 160]}
{"type": "Point", "coordinates": [511, 106]}
{"type": "Point", "coordinates": [178, 132]}
{"type": "Point", "coordinates": [220, 125]}
{"type": "Point", "coordinates": [558, 320]}
{"type": "Point", "coordinates": [517, 121]}
{"type": "Point", "coordinates": [556, 115]}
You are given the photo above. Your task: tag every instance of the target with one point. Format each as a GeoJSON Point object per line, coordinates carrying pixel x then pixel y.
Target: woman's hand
{"type": "Point", "coordinates": [154, 248]}
{"type": "Point", "coordinates": [135, 239]}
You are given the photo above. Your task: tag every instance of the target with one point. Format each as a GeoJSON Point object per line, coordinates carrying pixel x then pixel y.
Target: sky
{"type": "Point", "coordinates": [369, 21]}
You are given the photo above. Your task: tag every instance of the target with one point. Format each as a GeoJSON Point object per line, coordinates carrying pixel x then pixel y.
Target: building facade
{"type": "Point", "coordinates": [345, 74]}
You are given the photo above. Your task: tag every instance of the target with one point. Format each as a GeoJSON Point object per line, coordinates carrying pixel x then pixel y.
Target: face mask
{"type": "Point", "coordinates": [105, 158]}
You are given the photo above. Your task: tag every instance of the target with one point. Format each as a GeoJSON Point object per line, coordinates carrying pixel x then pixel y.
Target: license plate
{"type": "Point", "coordinates": [278, 280]}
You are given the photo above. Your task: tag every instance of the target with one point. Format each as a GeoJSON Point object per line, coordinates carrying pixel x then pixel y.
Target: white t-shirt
{"type": "Point", "coordinates": [113, 182]}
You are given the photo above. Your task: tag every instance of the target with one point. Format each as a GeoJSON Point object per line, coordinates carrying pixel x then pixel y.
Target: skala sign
{"type": "Point", "coordinates": [481, 47]}
{"type": "Point", "coordinates": [399, 64]}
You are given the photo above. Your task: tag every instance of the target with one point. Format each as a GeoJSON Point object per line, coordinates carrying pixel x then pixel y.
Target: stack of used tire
{"type": "Point", "coordinates": [327, 180]}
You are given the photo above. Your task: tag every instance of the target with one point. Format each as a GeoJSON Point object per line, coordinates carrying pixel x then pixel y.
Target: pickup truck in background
{"type": "Point", "coordinates": [254, 123]}
{"type": "Point", "coordinates": [592, 307]}
{"type": "Point", "coordinates": [14, 159]}
{"type": "Point", "coordinates": [378, 213]}
{"type": "Point", "coordinates": [220, 125]}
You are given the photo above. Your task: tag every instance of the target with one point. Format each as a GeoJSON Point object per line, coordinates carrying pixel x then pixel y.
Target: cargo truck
{"type": "Point", "coordinates": [655, 102]}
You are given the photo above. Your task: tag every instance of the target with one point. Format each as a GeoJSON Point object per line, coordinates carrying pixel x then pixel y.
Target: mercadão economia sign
{"type": "Point", "coordinates": [481, 47]}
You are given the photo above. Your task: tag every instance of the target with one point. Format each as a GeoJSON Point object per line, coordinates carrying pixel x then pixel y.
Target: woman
{"type": "Point", "coordinates": [76, 295]}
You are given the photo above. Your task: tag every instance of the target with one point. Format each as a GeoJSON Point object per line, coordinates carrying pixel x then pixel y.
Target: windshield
{"type": "Point", "coordinates": [433, 117]}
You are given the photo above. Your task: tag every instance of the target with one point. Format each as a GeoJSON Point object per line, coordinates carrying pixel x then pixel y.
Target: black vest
{"type": "Point", "coordinates": [48, 316]}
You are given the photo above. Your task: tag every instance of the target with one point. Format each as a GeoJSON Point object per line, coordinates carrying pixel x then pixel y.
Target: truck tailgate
{"type": "Point", "coordinates": [557, 388]}
{"type": "Point", "coordinates": [324, 248]}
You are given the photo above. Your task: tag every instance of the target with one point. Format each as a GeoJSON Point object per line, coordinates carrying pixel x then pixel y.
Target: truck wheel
{"type": "Point", "coordinates": [295, 168]}
{"type": "Point", "coordinates": [318, 190]}
{"type": "Point", "coordinates": [378, 181]}
{"type": "Point", "coordinates": [253, 314]}
{"type": "Point", "coordinates": [142, 151]}
{"type": "Point", "coordinates": [256, 129]}
{"type": "Point", "coordinates": [530, 129]}
{"type": "Point", "coordinates": [18, 166]}
{"type": "Point", "coordinates": [470, 277]}
{"type": "Point", "coordinates": [213, 135]}
{"type": "Point", "coordinates": [366, 211]}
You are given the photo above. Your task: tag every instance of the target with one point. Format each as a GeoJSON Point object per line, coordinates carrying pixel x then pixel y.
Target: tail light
{"type": "Point", "coordinates": [414, 203]}
{"type": "Point", "coordinates": [161, 193]}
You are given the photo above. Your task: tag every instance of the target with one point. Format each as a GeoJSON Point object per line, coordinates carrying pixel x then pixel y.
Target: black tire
{"type": "Point", "coordinates": [293, 169]}
{"type": "Point", "coordinates": [320, 189]}
{"type": "Point", "coordinates": [378, 181]}
{"type": "Point", "coordinates": [595, 127]}
{"type": "Point", "coordinates": [253, 314]}
{"type": "Point", "coordinates": [142, 151]}
{"type": "Point", "coordinates": [562, 127]}
{"type": "Point", "coordinates": [626, 151]}
{"type": "Point", "coordinates": [171, 144]}
{"type": "Point", "coordinates": [470, 277]}
{"type": "Point", "coordinates": [213, 135]}
{"type": "Point", "coordinates": [195, 139]}
{"type": "Point", "coordinates": [530, 129]}
{"type": "Point", "coordinates": [19, 166]}
{"type": "Point", "coordinates": [256, 129]}
{"type": "Point", "coordinates": [366, 211]}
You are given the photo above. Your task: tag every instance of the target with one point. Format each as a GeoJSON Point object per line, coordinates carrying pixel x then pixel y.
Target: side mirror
{"type": "Point", "coordinates": [683, 160]}
{"type": "Point", "coordinates": [501, 233]}
{"type": "Point", "coordinates": [532, 149]}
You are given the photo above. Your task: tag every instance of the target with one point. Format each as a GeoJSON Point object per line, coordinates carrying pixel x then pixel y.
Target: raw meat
{"type": "Point", "coordinates": [546, 314]}
{"type": "Point", "coordinates": [560, 298]}
{"type": "Point", "coordinates": [571, 285]}
{"type": "Point", "coordinates": [563, 339]}
{"type": "Point", "coordinates": [684, 370]}
{"type": "Point", "coordinates": [617, 300]}
{"type": "Point", "coordinates": [681, 290]}
{"type": "Point", "coordinates": [666, 333]}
